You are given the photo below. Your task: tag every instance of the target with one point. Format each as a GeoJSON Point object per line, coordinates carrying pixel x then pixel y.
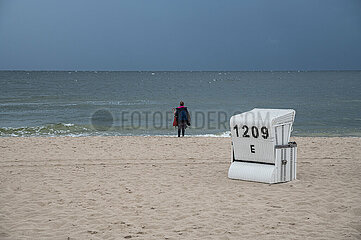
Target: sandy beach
{"type": "Point", "coordinates": [171, 188]}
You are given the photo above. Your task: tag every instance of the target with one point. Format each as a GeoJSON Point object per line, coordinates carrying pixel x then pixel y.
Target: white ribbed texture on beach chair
{"type": "Point", "coordinates": [260, 146]}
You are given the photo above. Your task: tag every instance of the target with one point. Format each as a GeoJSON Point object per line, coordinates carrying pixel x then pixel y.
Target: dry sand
{"type": "Point", "coordinates": [170, 188]}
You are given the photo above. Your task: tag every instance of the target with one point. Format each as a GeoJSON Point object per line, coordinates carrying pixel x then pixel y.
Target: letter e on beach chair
{"type": "Point", "coordinates": [261, 150]}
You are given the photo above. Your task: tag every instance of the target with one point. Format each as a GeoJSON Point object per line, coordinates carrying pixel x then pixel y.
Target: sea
{"type": "Point", "coordinates": [111, 103]}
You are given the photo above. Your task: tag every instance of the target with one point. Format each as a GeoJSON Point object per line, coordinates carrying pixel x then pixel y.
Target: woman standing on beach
{"type": "Point", "coordinates": [182, 118]}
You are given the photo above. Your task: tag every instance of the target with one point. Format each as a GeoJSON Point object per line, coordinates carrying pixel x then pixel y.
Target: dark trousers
{"type": "Point", "coordinates": [181, 128]}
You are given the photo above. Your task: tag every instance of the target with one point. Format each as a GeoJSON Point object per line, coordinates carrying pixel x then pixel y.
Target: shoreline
{"type": "Point", "coordinates": [162, 136]}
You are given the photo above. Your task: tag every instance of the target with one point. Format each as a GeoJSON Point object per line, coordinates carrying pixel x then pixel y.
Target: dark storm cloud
{"type": "Point", "coordinates": [180, 35]}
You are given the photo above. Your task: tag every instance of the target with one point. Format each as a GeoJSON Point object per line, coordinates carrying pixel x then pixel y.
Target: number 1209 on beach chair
{"type": "Point", "coordinates": [261, 150]}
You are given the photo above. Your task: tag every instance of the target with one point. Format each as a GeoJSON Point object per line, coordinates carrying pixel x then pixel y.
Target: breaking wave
{"type": "Point", "coordinates": [59, 129]}
{"type": "Point", "coordinates": [77, 130]}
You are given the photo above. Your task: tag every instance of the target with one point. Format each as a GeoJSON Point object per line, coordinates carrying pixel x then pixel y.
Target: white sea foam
{"type": "Point", "coordinates": [223, 135]}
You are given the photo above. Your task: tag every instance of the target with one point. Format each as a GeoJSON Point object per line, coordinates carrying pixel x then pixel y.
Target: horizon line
{"type": "Point", "coordinates": [44, 70]}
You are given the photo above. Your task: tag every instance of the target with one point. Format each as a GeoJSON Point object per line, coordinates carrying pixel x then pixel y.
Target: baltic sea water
{"type": "Point", "coordinates": [61, 103]}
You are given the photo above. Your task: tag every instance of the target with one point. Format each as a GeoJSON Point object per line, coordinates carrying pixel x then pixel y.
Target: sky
{"type": "Point", "coordinates": [186, 35]}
